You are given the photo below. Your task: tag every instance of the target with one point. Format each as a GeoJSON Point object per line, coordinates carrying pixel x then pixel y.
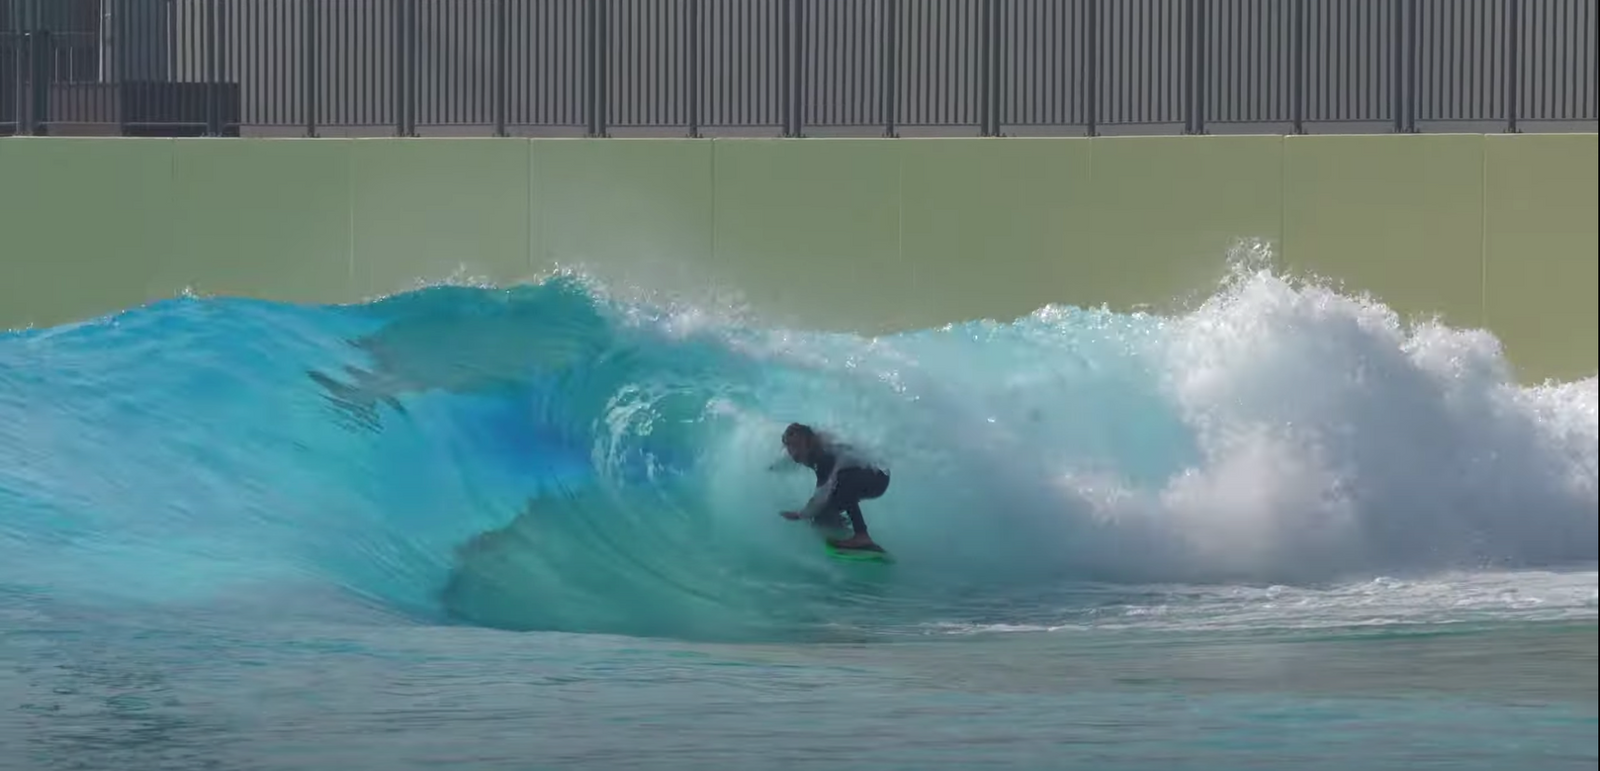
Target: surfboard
{"type": "Point", "coordinates": [875, 554]}
{"type": "Point", "coordinates": [857, 555]}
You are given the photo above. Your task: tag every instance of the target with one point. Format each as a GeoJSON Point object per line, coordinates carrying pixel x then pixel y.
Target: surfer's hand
{"type": "Point", "coordinates": [789, 514]}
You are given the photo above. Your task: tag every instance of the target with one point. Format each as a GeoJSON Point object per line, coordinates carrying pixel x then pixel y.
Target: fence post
{"type": "Point", "coordinates": [988, 53]}
{"type": "Point", "coordinates": [309, 64]}
{"type": "Point", "coordinates": [794, 56]}
{"type": "Point", "coordinates": [602, 56]}
{"type": "Point", "coordinates": [1513, 95]}
{"type": "Point", "coordinates": [891, 56]}
{"type": "Point", "coordinates": [591, 74]}
{"type": "Point", "coordinates": [1194, 91]}
{"type": "Point", "coordinates": [596, 90]}
{"type": "Point", "coordinates": [213, 66]}
{"type": "Point", "coordinates": [502, 71]}
{"type": "Point", "coordinates": [692, 70]}
{"type": "Point", "coordinates": [785, 70]}
{"type": "Point", "coordinates": [39, 76]}
{"type": "Point", "coordinates": [402, 63]}
{"type": "Point", "coordinates": [408, 68]}
{"type": "Point", "coordinates": [1405, 66]}
{"type": "Point", "coordinates": [16, 54]}
{"type": "Point", "coordinates": [1091, 68]}
{"type": "Point", "coordinates": [1397, 78]}
{"type": "Point", "coordinates": [1413, 54]}
{"type": "Point", "coordinates": [1297, 76]}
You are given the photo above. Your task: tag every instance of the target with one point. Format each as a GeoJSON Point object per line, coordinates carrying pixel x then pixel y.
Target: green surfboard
{"type": "Point", "coordinates": [857, 555]}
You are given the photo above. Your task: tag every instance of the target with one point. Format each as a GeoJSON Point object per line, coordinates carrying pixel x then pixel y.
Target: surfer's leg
{"type": "Point", "coordinates": [854, 486]}
{"type": "Point", "coordinates": [846, 498]}
{"type": "Point", "coordinates": [858, 523]}
{"type": "Point", "coordinates": [874, 485]}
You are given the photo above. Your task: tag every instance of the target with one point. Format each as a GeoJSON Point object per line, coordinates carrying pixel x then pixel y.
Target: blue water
{"type": "Point", "coordinates": [535, 528]}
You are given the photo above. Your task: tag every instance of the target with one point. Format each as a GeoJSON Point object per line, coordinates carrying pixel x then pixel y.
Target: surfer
{"type": "Point", "coordinates": [844, 480]}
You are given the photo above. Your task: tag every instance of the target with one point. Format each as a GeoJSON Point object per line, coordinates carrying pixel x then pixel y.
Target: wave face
{"type": "Point", "coordinates": [550, 457]}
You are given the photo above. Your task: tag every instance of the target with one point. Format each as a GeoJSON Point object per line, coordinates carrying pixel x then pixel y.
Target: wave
{"type": "Point", "coordinates": [554, 457]}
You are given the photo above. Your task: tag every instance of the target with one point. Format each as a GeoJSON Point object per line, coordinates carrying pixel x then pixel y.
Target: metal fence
{"type": "Point", "coordinates": [793, 67]}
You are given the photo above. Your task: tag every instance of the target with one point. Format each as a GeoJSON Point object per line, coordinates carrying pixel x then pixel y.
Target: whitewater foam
{"type": "Point", "coordinates": [1440, 601]}
{"type": "Point", "coordinates": [1279, 432]}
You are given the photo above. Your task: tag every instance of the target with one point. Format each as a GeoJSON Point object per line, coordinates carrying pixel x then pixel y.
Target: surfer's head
{"type": "Point", "coordinates": [799, 440]}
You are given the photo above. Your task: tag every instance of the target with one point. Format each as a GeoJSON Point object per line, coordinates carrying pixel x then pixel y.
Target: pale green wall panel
{"type": "Point", "coordinates": [635, 212]}
{"type": "Point", "coordinates": [1166, 210]}
{"type": "Point", "coordinates": [1398, 216]}
{"type": "Point", "coordinates": [863, 234]}
{"type": "Point", "coordinates": [85, 225]}
{"type": "Point", "coordinates": [809, 230]}
{"type": "Point", "coordinates": [426, 210]}
{"type": "Point", "coordinates": [993, 228]}
{"type": "Point", "coordinates": [263, 218]}
{"type": "Point", "coordinates": [1541, 251]}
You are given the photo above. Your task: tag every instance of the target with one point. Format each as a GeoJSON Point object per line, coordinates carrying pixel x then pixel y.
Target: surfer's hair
{"type": "Point", "coordinates": [812, 436]}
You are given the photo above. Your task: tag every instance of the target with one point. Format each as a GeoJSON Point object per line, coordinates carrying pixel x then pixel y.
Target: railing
{"type": "Point", "coordinates": [793, 67]}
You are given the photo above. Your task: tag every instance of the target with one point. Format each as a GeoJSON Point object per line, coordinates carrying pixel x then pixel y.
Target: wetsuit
{"type": "Point", "coordinates": [844, 480]}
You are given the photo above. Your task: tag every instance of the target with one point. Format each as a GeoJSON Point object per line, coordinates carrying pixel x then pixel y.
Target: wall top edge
{"type": "Point", "coordinates": [825, 140]}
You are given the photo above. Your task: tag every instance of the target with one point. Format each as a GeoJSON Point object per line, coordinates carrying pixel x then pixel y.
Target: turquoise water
{"type": "Point", "coordinates": [534, 528]}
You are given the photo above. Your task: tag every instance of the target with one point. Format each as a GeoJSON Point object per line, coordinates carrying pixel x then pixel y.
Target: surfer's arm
{"type": "Point", "coordinates": [783, 463]}
{"type": "Point", "coordinates": [819, 500]}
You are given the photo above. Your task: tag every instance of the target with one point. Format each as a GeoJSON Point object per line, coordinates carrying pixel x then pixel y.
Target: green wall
{"type": "Point", "coordinates": [1496, 231]}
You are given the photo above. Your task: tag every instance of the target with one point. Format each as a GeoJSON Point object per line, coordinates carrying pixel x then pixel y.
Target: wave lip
{"type": "Point", "coordinates": [551, 457]}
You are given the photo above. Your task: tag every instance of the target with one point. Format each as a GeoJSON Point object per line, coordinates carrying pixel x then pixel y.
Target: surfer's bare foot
{"type": "Point", "coordinates": [857, 541]}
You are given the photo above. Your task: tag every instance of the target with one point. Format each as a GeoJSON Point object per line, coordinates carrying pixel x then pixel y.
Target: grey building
{"type": "Point", "coordinates": [794, 67]}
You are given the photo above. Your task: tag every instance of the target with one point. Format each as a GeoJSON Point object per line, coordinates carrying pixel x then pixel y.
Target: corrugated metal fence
{"type": "Point", "coordinates": [793, 67]}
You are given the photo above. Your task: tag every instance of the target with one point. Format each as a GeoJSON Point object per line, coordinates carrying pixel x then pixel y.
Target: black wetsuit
{"type": "Point", "coordinates": [852, 484]}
